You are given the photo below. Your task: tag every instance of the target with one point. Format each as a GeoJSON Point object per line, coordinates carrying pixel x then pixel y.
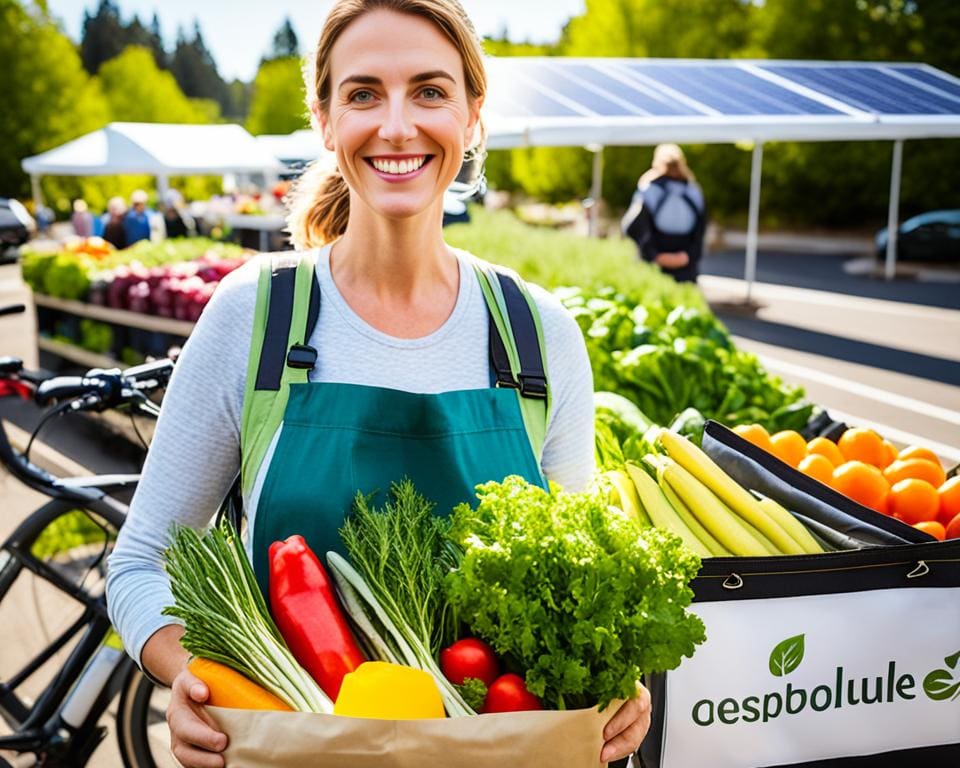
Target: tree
{"type": "Point", "coordinates": [51, 99]}
{"type": "Point", "coordinates": [138, 91]}
{"type": "Point", "coordinates": [196, 71]}
{"type": "Point", "coordinates": [285, 43]}
{"type": "Point", "coordinates": [660, 28]}
{"type": "Point", "coordinates": [103, 37]}
{"type": "Point", "coordinates": [277, 105]}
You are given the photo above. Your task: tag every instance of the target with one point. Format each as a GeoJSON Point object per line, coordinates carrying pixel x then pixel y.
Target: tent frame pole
{"type": "Point", "coordinates": [893, 211]}
{"type": "Point", "coordinates": [596, 190]}
{"type": "Point", "coordinates": [753, 223]}
{"type": "Point", "coordinates": [37, 192]}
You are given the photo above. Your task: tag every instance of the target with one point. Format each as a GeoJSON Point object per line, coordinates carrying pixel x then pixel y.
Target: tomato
{"type": "Point", "coordinates": [509, 693]}
{"type": "Point", "coordinates": [469, 657]}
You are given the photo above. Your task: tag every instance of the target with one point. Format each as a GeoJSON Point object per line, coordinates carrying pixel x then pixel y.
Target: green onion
{"type": "Point", "coordinates": [226, 618]}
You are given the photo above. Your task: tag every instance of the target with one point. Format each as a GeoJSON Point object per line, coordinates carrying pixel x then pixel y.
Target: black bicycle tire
{"type": "Point", "coordinates": [133, 713]}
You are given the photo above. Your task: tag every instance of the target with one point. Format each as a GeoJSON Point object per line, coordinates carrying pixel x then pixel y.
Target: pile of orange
{"type": "Point", "coordinates": [909, 484]}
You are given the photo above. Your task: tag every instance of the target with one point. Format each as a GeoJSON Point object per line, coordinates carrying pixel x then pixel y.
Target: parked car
{"type": "Point", "coordinates": [16, 224]}
{"type": "Point", "coordinates": [931, 236]}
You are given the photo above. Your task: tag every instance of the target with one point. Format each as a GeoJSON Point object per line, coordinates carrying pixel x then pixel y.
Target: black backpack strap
{"type": "Point", "coordinates": [532, 377]}
{"type": "Point", "coordinates": [499, 360]}
{"type": "Point", "coordinates": [274, 354]}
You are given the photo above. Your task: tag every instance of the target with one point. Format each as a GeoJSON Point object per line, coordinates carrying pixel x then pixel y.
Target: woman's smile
{"type": "Point", "coordinates": [398, 168]}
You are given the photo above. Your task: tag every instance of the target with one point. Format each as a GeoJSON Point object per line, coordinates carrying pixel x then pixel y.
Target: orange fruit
{"type": "Point", "coordinates": [756, 434]}
{"type": "Point", "coordinates": [818, 467]}
{"type": "Point", "coordinates": [789, 446]}
{"type": "Point", "coordinates": [932, 527]}
{"type": "Point", "coordinates": [861, 444]}
{"type": "Point", "coordinates": [826, 448]}
{"type": "Point", "coordinates": [889, 454]}
{"type": "Point", "coordinates": [952, 530]}
{"type": "Point", "coordinates": [863, 483]}
{"type": "Point", "coordinates": [920, 469]}
{"type": "Point", "coordinates": [949, 494]}
{"type": "Point", "coordinates": [914, 501]}
{"type": "Point", "coordinates": [917, 452]}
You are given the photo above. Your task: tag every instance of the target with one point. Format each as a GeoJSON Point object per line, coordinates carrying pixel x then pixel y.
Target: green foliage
{"type": "Point", "coordinates": [139, 92]}
{"type": "Point", "coordinates": [49, 98]}
{"type": "Point", "coordinates": [551, 259]}
{"type": "Point", "coordinates": [277, 104]}
{"type": "Point", "coordinates": [95, 336]}
{"type": "Point", "coordinates": [69, 531]}
{"type": "Point", "coordinates": [659, 28]}
{"type": "Point", "coordinates": [581, 600]}
{"type": "Point", "coordinates": [666, 357]}
{"type": "Point", "coordinates": [196, 71]}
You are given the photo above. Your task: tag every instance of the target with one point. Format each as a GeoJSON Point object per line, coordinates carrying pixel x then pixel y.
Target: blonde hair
{"type": "Point", "coordinates": [668, 160]}
{"type": "Point", "coordinates": [319, 201]}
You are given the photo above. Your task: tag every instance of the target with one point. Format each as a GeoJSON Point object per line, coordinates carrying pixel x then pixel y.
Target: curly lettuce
{"type": "Point", "coordinates": [581, 598]}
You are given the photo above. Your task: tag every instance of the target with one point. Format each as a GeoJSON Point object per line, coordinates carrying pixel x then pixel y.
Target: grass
{"type": "Point", "coordinates": [553, 258]}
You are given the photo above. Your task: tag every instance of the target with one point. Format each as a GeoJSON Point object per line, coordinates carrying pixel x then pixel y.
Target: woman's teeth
{"type": "Point", "coordinates": [399, 167]}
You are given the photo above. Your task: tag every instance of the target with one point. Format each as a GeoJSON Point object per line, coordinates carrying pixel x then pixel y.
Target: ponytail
{"type": "Point", "coordinates": [319, 206]}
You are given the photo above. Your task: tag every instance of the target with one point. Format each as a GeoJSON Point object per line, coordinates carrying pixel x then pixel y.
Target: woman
{"type": "Point", "coordinates": [401, 354]}
{"type": "Point", "coordinates": [667, 217]}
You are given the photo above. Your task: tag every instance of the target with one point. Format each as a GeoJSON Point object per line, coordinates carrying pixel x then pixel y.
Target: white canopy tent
{"type": "Point", "coordinates": [158, 149]}
{"type": "Point", "coordinates": [294, 148]}
{"type": "Point", "coordinates": [596, 102]}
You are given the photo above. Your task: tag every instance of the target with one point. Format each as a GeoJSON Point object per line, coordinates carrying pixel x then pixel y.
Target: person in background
{"type": "Point", "coordinates": [114, 231]}
{"type": "Point", "coordinates": [177, 222]}
{"type": "Point", "coordinates": [136, 222]}
{"type": "Point", "coordinates": [667, 217]}
{"type": "Point", "coordinates": [82, 219]}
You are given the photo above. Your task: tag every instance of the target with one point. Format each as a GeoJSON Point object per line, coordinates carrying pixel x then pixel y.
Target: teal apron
{"type": "Point", "coordinates": [336, 439]}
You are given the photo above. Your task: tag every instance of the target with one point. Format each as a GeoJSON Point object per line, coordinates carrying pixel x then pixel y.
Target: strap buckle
{"type": "Point", "coordinates": [533, 386]}
{"type": "Point", "coordinates": [302, 356]}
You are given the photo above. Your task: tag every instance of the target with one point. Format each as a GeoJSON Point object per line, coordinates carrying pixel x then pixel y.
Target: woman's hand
{"type": "Point", "coordinates": [627, 728]}
{"type": "Point", "coordinates": [673, 260]}
{"type": "Point", "coordinates": [195, 739]}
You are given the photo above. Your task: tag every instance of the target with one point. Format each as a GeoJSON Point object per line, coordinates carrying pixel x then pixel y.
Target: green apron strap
{"type": "Point", "coordinates": [281, 319]}
{"type": "Point", "coordinates": [534, 406]}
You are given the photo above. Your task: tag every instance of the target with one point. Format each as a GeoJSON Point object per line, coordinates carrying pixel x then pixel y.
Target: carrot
{"type": "Point", "coordinates": [228, 688]}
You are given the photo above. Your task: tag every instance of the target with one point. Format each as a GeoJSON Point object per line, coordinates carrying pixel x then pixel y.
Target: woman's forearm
{"type": "Point", "coordinates": [163, 656]}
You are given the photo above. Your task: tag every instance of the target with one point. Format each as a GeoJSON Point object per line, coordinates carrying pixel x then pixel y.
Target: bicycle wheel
{"type": "Point", "coordinates": [142, 733]}
{"type": "Point", "coordinates": [52, 581]}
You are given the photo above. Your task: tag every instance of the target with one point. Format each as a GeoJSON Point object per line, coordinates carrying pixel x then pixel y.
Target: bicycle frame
{"type": "Point", "coordinates": [40, 728]}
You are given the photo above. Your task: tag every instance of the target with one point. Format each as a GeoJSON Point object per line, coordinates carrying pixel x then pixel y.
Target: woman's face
{"type": "Point", "coordinates": [399, 115]}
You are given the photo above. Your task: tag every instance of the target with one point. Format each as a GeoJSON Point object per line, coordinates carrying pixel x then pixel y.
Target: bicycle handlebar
{"type": "Point", "coordinates": [69, 387]}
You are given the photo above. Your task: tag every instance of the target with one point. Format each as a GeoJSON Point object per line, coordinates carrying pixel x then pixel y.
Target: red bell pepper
{"type": "Point", "coordinates": [304, 604]}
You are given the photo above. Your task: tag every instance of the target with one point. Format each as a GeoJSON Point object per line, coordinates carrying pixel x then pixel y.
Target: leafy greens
{"type": "Point", "coordinates": [583, 600]}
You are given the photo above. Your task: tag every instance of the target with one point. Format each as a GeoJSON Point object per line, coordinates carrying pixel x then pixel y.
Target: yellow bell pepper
{"type": "Point", "coordinates": [384, 691]}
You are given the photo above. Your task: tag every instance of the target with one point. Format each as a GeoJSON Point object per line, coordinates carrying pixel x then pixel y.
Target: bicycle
{"type": "Point", "coordinates": [63, 546]}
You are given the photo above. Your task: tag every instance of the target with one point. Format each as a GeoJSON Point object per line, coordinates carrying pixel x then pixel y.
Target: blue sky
{"type": "Point", "coordinates": [239, 32]}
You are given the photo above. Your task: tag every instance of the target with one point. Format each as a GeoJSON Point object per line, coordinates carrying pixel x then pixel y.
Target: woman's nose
{"type": "Point", "coordinates": [397, 126]}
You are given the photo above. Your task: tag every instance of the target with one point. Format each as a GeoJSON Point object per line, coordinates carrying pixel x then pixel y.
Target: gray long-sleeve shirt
{"type": "Point", "coordinates": [195, 452]}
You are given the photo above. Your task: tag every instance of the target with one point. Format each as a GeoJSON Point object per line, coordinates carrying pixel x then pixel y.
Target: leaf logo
{"type": "Point", "coordinates": [786, 656]}
{"type": "Point", "coordinates": [940, 684]}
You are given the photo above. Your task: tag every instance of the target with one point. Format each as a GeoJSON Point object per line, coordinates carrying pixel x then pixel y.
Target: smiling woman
{"type": "Point", "coordinates": [400, 356]}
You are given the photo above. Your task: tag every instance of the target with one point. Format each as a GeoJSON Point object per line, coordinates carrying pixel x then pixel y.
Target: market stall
{"type": "Point", "coordinates": [158, 149]}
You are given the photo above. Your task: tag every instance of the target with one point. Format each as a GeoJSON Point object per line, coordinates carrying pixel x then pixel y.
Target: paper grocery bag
{"type": "Point", "coordinates": [569, 739]}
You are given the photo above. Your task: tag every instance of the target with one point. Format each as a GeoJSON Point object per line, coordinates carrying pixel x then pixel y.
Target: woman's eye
{"type": "Point", "coordinates": [431, 93]}
{"type": "Point", "coordinates": [363, 97]}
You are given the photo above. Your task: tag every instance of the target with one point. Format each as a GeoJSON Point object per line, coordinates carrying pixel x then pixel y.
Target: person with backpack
{"type": "Point", "coordinates": [667, 217]}
{"type": "Point", "coordinates": [373, 352]}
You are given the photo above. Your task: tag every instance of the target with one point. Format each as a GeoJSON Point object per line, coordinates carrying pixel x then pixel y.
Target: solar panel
{"type": "Point", "coordinates": [867, 88]}
{"type": "Point", "coordinates": [555, 101]}
{"type": "Point", "coordinates": [644, 99]}
{"type": "Point", "coordinates": [932, 79]}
